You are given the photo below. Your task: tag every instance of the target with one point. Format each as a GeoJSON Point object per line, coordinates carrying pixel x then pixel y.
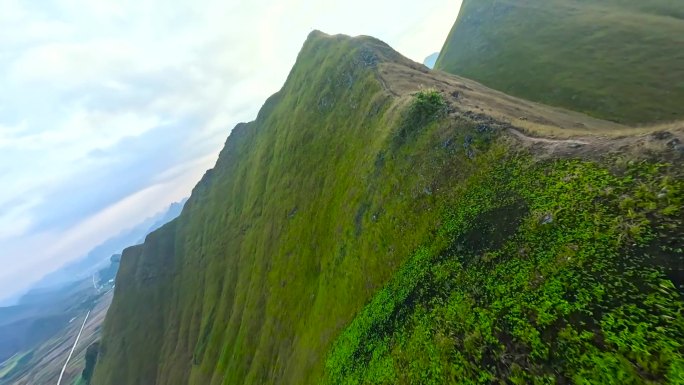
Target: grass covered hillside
{"type": "Point", "coordinates": [621, 60]}
{"type": "Point", "coordinates": [380, 223]}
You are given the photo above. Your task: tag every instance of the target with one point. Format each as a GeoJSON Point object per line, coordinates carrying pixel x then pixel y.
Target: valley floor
{"type": "Point", "coordinates": [47, 360]}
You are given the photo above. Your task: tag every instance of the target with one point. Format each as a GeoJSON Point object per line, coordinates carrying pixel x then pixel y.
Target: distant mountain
{"type": "Point", "coordinates": [431, 60]}
{"type": "Point", "coordinates": [104, 276]}
{"type": "Point", "coordinates": [163, 218]}
{"type": "Point", "coordinates": [99, 257]}
{"type": "Point", "coordinates": [621, 60]}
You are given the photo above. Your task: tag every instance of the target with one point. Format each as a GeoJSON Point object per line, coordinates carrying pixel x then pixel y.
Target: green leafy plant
{"type": "Point", "coordinates": [570, 300]}
{"type": "Point", "coordinates": [427, 106]}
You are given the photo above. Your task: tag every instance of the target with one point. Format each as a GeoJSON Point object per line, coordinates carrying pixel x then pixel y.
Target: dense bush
{"type": "Point", "coordinates": [90, 360]}
{"type": "Point", "coordinates": [426, 107]}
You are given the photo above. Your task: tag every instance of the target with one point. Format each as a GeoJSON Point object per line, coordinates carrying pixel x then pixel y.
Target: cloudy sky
{"type": "Point", "coordinates": [112, 109]}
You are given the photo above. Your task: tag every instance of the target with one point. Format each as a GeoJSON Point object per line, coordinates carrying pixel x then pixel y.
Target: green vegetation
{"type": "Point", "coordinates": [544, 273]}
{"type": "Point", "coordinates": [619, 60]}
{"type": "Point", "coordinates": [308, 212]}
{"type": "Point", "coordinates": [349, 236]}
{"type": "Point", "coordinates": [90, 361]}
{"type": "Point", "coordinates": [8, 365]}
{"type": "Point", "coordinates": [426, 107]}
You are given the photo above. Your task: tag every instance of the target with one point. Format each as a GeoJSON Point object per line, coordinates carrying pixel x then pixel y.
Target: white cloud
{"type": "Point", "coordinates": [110, 110]}
{"type": "Point", "coordinates": [82, 131]}
{"type": "Point", "coordinates": [9, 132]}
{"type": "Point", "coordinates": [72, 64]}
{"type": "Point", "coordinates": [15, 221]}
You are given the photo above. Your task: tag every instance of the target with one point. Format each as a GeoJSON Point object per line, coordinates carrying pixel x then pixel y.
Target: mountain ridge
{"type": "Point", "coordinates": [357, 60]}
{"type": "Point", "coordinates": [352, 177]}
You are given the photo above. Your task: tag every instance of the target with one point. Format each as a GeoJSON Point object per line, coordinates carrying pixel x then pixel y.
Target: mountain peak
{"type": "Point", "coordinates": [369, 50]}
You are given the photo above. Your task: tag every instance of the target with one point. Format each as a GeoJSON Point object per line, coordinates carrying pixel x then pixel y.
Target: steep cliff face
{"type": "Point", "coordinates": [620, 60]}
{"type": "Point", "coordinates": [373, 226]}
{"type": "Point", "coordinates": [280, 244]}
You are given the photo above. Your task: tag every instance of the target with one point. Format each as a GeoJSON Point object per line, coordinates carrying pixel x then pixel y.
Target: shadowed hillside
{"type": "Point", "coordinates": [380, 223]}
{"type": "Point", "coordinates": [40, 316]}
{"type": "Point", "coordinates": [621, 60]}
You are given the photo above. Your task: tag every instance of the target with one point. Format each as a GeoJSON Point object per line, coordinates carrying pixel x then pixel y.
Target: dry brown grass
{"type": "Point", "coordinates": [533, 120]}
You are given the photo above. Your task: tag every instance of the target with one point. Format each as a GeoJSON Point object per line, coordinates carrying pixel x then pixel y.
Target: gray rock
{"type": "Point", "coordinates": [446, 143]}
{"type": "Point", "coordinates": [482, 128]}
{"type": "Point", "coordinates": [673, 144]}
{"type": "Point", "coordinates": [467, 141]}
{"type": "Point", "coordinates": [661, 135]}
{"type": "Point", "coordinates": [369, 58]}
{"type": "Point", "coordinates": [679, 148]}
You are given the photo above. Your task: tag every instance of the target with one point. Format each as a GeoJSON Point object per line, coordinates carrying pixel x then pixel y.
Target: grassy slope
{"type": "Point", "coordinates": [277, 248]}
{"type": "Point", "coordinates": [621, 60]}
{"type": "Point", "coordinates": [315, 206]}
{"type": "Point", "coordinates": [554, 272]}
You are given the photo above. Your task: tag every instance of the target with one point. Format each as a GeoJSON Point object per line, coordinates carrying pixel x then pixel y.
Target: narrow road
{"type": "Point", "coordinates": [59, 381]}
